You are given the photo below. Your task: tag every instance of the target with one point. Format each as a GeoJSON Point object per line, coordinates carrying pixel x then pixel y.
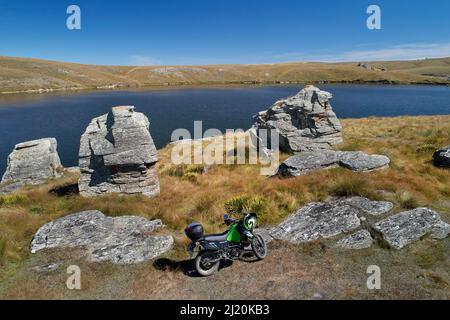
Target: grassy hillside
{"type": "Point", "coordinates": [20, 74]}
{"type": "Point", "coordinates": [418, 271]}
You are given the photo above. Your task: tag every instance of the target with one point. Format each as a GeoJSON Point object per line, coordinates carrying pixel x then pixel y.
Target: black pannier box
{"type": "Point", "coordinates": [194, 231]}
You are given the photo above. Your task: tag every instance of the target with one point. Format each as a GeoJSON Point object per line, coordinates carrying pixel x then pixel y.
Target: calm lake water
{"type": "Point", "coordinates": [65, 116]}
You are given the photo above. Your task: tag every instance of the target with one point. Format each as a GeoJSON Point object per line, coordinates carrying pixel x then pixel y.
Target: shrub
{"type": "Point", "coordinates": [426, 148]}
{"type": "Point", "coordinates": [407, 201]}
{"type": "Point", "coordinates": [205, 202]}
{"type": "Point", "coordinates": [245, 204]}
{"type": "Point", "coordinates": [11, 200]}
{"type": "Point", "coordinates": [286, 201]}
{"type": "Point", "coordinates": [189, 172]}
{"type": "Point", "coordinates": [36, 210]}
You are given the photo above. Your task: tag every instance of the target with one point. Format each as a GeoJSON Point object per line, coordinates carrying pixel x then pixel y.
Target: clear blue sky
{"type": "Point", "coordinates": [173, 32]}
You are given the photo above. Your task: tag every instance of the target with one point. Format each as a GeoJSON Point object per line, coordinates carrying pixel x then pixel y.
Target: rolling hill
{"type": "Point", "coordinates": [34, 75]}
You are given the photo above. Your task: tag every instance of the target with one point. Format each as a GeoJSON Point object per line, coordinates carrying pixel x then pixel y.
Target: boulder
{"type": "Point", "coordinates": [338, 216]}
{"type": "Point", "coordinates": [117, 155]}
{"type": "Point", "coordinates": [360, 161]}
{"type": "Point", "coordinates": [404, 228]}
{"type": "Point", "coordinates": [327, 219]}
{"type": "Point", "coordinates": [317, 220]}
{"type": "Point", "coordinates": [366, 66]}
{"type": "Point", "coordinates": [304, 122]}
{"type": "Point", "coordinates": [305, 162]}
{"type": "Point", "coordinates": [122, 240]}
{"type": "Point", "coordinates": [441, 157]}
{"type": "Point", "coordinates": [359, 240]}
{"type": "Point", "coordinates": [33, 162]}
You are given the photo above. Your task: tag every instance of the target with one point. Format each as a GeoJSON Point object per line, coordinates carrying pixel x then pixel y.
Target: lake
{"type": "Point", "coordinates": [66, 115]}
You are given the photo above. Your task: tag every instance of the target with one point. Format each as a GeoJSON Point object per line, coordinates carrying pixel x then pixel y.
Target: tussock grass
{"type": "Point", "coordinates": [190, 194]}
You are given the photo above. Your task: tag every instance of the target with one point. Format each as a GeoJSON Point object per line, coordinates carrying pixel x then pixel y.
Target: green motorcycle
{"type": "Point", "coordinates": [227, 246]}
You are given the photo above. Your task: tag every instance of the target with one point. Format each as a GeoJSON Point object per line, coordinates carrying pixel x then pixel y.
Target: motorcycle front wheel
{"type": "Point", "coordinates": [206, 263]}
{"type": "Point", "coordinates": [259, 247]}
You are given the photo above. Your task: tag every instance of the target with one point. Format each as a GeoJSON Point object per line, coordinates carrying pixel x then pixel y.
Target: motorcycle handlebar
{"type": "Point", "coordinates": [230, 221]}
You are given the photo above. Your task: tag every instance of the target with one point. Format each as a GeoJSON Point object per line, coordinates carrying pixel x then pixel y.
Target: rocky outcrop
{"type": "Point", "coordinates": [317, 220]}
{"type": "Point", "coordinates": [360, 161]}
{"type": "Point", "coordinates": [441, 157]}
{"type": "Point", "coordinates": [359, 240]}
{"type": "Point", "coordinates": [33, 162]}
{"type": "Point", "coordinates": [305, 162]}
{"type": "Point", "coordinates": [304, 122]}
{"type": "Point", "coordinates": [123, 240]}
{"type": "Point", "coordinates": [117, 155]}
{"type": "Point", "coordinates": [359, 218]}
{"type": "Point", "coordinates": [406, 227]}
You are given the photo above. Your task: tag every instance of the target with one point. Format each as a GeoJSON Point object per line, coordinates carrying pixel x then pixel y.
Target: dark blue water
{"type": "Point", "coordinates": [65, 116]}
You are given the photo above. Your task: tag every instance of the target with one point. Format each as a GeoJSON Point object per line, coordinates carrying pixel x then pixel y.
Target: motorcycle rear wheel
{"type": "Point", "coordinates": [203, 264]}
{"type": "Point", "coordinates": [259, 247]}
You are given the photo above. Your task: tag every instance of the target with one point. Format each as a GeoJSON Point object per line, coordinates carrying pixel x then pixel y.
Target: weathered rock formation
{"type": "Point", "coordinates": [33, 162]}
{"type": "Point", "coordinates": [317, 220]}
{"type": "Point", "coordinates": [441, 157]}
{"type": "Point", "coordinates": [123, 240]}
{"type": "Point", "coordinates": [304, 122]}
{"type": "Point", "coordinates": [359, 218]}
{"type": "Point", "coordinates": [305, 162]}
{"type": "Point", "coordinates": [406, 227]}
{"type": "Point", "coordinates": [117, 154]}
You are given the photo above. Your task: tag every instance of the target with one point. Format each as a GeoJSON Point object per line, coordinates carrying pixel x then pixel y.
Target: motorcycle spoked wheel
{"type": "Point", "coordinates": [259, 247]}
{"type": "Point", "coordinates": [206, 264]}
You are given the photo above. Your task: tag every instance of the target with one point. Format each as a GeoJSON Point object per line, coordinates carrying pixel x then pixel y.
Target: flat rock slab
{"type": "Point", "coordinates": [317, 220]}
{"type": "Point", "coordinates": [359, 240]}
{"type": "Point", "coordinates": [371, 207]}
{"type": "Point", "coordinates": [406, 227]}
{"type": "Point", "coordinates": [360, 161]}
{"type": "Point", "coordinates": [441, 157]}
{"type": "Point", "coordinates": [344, 215]}
{"type": "Point", "coordinates": [33, 162]}
{"type": "Point", "coordinates": [306, 162]}
{"type": "Point", "coordinates": [122, 240]}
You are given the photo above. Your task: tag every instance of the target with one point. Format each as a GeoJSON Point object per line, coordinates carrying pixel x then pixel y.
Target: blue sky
{"type": "Point", "coordinates": [196, 32]}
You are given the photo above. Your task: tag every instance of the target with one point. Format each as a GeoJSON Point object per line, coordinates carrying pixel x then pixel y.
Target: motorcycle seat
{"type": "Point", "coordinates": [216, 237]}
